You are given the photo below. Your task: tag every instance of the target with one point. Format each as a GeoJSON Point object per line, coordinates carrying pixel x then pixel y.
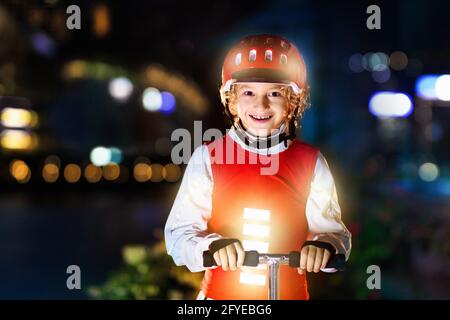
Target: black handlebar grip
{"type": "Point", "coordinates": [251, 259]}
{"type": "Point", "coordinates": [208, 259]}
{"type": "Point", "coordinates": [337, 261]}
{"type": "Point", "coordinates": [294, 259]}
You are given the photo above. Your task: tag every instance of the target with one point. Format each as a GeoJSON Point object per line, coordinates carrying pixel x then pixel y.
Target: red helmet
{"type": "Point", "coordinates": [264, 58]}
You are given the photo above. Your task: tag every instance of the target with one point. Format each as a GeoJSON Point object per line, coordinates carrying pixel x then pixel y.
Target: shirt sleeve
{"type": "Point", "coordinates": [185, 231]}
{"type": "Point", "coordinates": [323, 212]}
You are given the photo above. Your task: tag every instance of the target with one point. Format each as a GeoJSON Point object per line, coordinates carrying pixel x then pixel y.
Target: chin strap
{"type": "Point", "coordinates": [279, 136]}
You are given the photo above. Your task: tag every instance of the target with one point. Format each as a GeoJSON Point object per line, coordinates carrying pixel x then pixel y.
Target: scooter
{"type": "Point", "coordinates": [274, 260]}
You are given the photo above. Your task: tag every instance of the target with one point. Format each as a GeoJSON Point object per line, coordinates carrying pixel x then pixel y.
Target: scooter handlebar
{"type": "Point", "coordinates": [337, 261]}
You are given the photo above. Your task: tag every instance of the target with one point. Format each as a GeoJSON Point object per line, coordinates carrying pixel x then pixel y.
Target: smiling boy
{"type": "Point", "coordinates": [228, 208]}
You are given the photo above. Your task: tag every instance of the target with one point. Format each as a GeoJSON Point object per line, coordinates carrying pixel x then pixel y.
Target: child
{"type": "Point", "coordinates": [228, 207]}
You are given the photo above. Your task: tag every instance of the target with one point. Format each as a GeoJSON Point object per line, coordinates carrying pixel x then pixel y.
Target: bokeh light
{"type": "Point", "coordinates": [443, 87]}
{"type": "Point", "coordinates": [378, 61]}
{"type": "Point", "coordinates": [426, 86]}
{"type": "Point", "coordinates": [101, 156]}
{"type": "Point", "coordinates": [157, 172]}
{"type": "Point", "coordinates": [72, 173]}
{"type": "Point", "coordinates": [18, 140]}
{"type": "Point", "coordinates": [111, 172]}
{"type": "Point", "coordinates": [20, 171]}
{"type": "Point", "coordinates": [120, 88]}
{"type": "Point", "coordinates": [152, 99]}
{"type": "Point", "coordinates": [381, 76]}
{"type": "Point", "coordinates": [390, 104]}
{"type": "Point", "coordinates": [50, 172]}
{"type": "Point", "coordinates": [18, 118]}
{"type": "Point", "coordinates": [168, 102]}
{"type": "Point", "coordinates": [92, 173]}
{"type": "Point", "coordinates": [428, 171]}
{"type": "Point", "coordinates": [142, 172]}
{"type": "Point", "coordinates": [398, 60]}
{"type": "Point", "coordinates": [171, 172]}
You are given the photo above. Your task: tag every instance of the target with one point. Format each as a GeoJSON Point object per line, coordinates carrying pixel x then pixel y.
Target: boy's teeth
{"type": "Point", "coordinates": [261, 117]}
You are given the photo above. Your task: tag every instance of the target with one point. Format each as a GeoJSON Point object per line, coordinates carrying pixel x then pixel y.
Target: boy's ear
{"type": "Point", "coordinates": [233, 109]}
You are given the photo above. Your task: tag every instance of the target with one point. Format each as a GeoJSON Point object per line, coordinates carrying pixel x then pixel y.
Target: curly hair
{"type": "Point", "coordinates": [297, 102]}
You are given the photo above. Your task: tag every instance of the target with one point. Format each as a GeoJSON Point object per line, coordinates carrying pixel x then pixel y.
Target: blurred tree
{"type": "Point", "coordinates": [148, 273]}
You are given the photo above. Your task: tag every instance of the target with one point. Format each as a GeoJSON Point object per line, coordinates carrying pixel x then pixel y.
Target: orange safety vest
{"type": "Point", "coordinates": [265, 212]}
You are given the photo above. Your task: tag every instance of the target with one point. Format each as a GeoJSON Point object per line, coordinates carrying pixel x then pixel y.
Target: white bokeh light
{"type": "Point", "coordinates": [120, 88]}
{"type": "Point", "coordinates": [100, 156]}
{"type": "Point", "coordinates": [151, 99]}
{"type": "Point", "coordinates": [443, 87]}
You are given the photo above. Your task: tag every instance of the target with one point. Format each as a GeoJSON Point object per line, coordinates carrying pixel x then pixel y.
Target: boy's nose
{"type": "Point", "coordinates": [263, 102]}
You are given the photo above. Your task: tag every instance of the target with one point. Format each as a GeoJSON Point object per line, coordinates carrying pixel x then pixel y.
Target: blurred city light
{"type": "Point", "coordinates": [92, 173]}
{"type": "Point", "coordinates": [20, 171]}
{"type": "Point", "coordinates": [18, 118]}
{"type": "Point", "coordinates": [378, 61]}
{"type": "Point", "coordinates": [50, 172]}
{"type": "Point", "coordinates": [101, 17]}
{"type": "Point", "coordinates": [428, 171]}
{"type": "Point", "coordinates": [115, 155]}
{"type": "Point", "coordinates": [81, 69]}
{"type": "Point", "coordinates": [152, 99]}
{"type": "Point", "coordinates": [72, 173]}
{"type": "Point", "coordinates": [381, 76]}
{"type": "Point", "coordinates": [101, 156]}
{"type": "Point", "coordinates": [426, 86]}
{"type": "Point", "coordinates": [111, 172]}
{"type": "Point", "coordinates": [398, 60]}
{"type": "Point", "coordinates": [387, 104]}
{"type": "Point", "coordinates": [120, 88]}
{"type": "Point", "coordinates": [168, 102]}
{"type": "Point", "coordinates": [171, 172]}
{"type": "Point", "coordinates": [142, 172]}
{"type": "Point", "coordinates": [18, 140]}
{"type": "Point", "coordinates": [43, 44]}
{"type": "Point", "coordinates": [157, 172]}
{"type": "Point", "coordinates": [443, 87]}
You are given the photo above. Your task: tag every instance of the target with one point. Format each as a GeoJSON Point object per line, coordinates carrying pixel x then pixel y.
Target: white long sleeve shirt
{"type": "Point", "coordinates": [186, 232]}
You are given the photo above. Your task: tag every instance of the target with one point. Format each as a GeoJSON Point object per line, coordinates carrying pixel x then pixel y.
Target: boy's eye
{"type": "Point", "coordinates": [247, 93]}
{"type": "Point", "coordinates": [275, 94]}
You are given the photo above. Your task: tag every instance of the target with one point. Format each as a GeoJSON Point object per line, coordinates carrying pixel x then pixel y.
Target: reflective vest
{"type": "Point", "coordinates": [265, 212]}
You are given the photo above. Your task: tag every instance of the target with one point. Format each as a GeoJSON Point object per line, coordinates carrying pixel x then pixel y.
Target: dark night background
{"type": "Point", "coordinates": [392, 175]}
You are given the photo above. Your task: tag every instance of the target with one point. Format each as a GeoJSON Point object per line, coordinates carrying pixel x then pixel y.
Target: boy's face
{"type": "Point", "coordinates": [261, 107]}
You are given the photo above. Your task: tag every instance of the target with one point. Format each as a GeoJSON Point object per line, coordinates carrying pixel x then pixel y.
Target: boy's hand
{"type": "Point", "coordinates": [231, 257]}
{"type": "Point", "coordinates": [313, 258]}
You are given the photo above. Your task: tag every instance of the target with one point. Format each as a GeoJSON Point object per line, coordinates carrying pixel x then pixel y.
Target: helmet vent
{"type": "Point", "coordinates": [238, 59]}
{"type": "Point", "coordinates": [268, 55]}
{"type": "Point", "coordinates": [283, 59]}
{"type": "Point", "coordinates": [252, 55]}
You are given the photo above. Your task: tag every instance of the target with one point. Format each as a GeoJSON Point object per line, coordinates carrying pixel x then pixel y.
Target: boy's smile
{"type": "Point", "coordinates": [261, 107]}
